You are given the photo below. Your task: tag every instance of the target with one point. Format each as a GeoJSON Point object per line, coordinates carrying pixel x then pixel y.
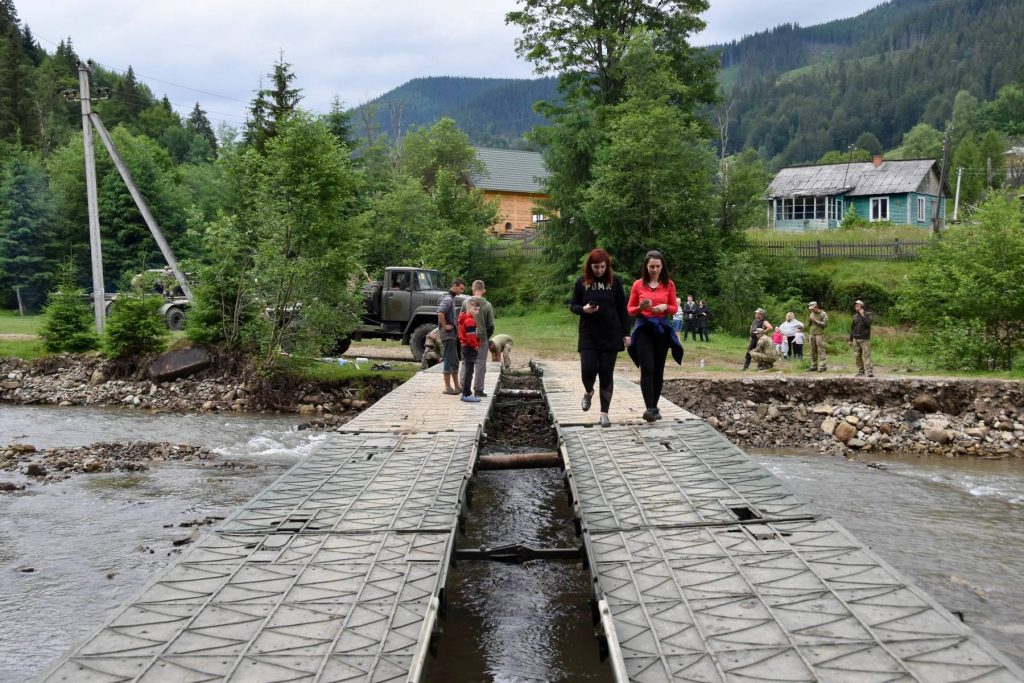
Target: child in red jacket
{"type": "Point", "coordinates": [470, 343]}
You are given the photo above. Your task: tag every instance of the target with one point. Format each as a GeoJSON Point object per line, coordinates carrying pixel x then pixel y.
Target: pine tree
{"type": "Point", "coordinates": [26, 230]}
{"type": "Point", "coordinates": [339, 121]}
{"type": "Point", "coordinates": [201, 125]}
{"type": "Point", "coordinates": [272, 106]}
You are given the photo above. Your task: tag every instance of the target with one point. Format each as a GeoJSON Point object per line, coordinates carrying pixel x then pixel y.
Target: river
{"type": "Point", "coordinates": [953, 526]}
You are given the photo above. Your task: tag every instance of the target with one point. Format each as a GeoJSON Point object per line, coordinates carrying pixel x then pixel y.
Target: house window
{"type": "Point", "coordinates": [508, 227]}
{"type": "Point", "coordinates": [539, 218]}
{"type": "Point", "coordinates": [819, 208]}
{"type": "Point", "coordinates": [921, 215]}
{"type": "Point", "coordinates": [879, 209]}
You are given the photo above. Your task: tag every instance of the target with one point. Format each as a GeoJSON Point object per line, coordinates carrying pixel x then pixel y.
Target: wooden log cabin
{"type": "Point", "coordinates": [515, 179]}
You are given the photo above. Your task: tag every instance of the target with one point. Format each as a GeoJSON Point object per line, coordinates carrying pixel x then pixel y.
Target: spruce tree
{"type": "Point", "coordinates": [272, 106]}
{"type": "Point", "coordinates": [26, 230]}
{"type": "Point", "coordinates": [201, 125]}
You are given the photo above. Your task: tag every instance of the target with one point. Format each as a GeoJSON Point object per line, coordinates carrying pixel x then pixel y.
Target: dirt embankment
{"type": "Point", "coordinates": [842, 414]}
{"type": "Point", "coordinates": [69, 380]}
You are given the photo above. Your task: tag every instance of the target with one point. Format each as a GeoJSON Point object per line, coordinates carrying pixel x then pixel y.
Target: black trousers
{"type": "Point", "coordinates": [595, 364]}
{"type": "Point", "coordinates": [702, 330]}
{"type": "Point", "coordinates": [651, 351]}
{"type": "Point", "coordinates": [750, 347]}
{"type": "Point", "coordinates": [789, 347]}
{"type": "Point", "coordinates": [689, 328]}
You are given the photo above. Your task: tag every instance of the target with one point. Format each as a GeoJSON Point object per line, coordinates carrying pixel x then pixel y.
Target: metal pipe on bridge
{"type": "Point", "coordinates": [519, 461]}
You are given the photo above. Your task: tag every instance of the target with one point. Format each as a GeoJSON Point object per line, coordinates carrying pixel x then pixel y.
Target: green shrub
{"type": "Point", "coordinates": [876, 298]}
{"type": "Point", "coordinates": [68, 324]}
{"type": "Point", "coordinates": [135, 327]}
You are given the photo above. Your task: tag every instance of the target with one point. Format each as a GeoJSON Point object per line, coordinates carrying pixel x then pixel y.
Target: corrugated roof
{"type": "Point", "coordinates": [857, 179]}
{"type": "Point", "coordinates": [510, 170]}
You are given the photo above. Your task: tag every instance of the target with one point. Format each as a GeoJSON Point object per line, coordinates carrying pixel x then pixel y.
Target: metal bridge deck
{"type": "Point", "coordinates": [335, 572]}
{"type": "Point", "coordinates": [706, 568]}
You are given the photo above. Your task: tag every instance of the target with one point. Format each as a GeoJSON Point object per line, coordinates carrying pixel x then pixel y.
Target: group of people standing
{"type": "Point", "coordinates": [691, 318]}
{"type": "Point", "coordinates": [460, 340]}
{"type": "Point", "coordinates": [788, 339]}
{"type": "Point", "coordinates": [604, 329]}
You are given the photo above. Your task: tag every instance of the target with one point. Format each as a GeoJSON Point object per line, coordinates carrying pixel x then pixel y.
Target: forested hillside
{"type": "Point", "coordinates": [797, 93]}
{"type": "Point", "coordinates": [494, 112]}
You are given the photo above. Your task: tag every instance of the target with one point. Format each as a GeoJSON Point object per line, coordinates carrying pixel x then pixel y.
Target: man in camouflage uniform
{"type": "Point", "coordinates": [860, 339]}
{"type": "Point", "coordinates": [818, 321]}
{"type": "Point", "coordinates": [764, 351]}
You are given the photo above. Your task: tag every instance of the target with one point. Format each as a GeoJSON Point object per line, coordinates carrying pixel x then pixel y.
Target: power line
{"type": "Point", "coordinates": [151, 78]}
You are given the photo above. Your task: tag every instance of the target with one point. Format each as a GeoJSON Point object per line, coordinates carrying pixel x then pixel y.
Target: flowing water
{"type": "Point", "coordinates": [953, 526]}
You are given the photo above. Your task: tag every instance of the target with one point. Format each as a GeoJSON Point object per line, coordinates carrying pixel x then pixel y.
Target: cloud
{"type": "Point", "coordinates": [356, 49]}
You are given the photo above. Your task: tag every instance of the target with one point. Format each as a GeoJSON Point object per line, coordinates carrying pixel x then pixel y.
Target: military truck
{"type": "Point", "coordinates": [160, 282]}
{"type": "Point", "coordinates": [403, 306]}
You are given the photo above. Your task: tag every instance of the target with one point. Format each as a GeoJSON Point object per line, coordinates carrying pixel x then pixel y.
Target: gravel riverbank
{"type": "Point", "coordinates": [842, 415]}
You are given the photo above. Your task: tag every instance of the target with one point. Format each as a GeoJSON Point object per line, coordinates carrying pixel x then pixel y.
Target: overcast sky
{"type": "Point", "coordinates": [355, 49]}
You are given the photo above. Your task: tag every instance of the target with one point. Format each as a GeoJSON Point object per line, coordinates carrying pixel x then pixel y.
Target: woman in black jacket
{"type": "Point", "coordinates": [600, 301]}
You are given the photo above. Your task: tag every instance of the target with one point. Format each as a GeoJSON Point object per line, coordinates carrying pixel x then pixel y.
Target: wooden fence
{"type": "Point", "coordinates": [894, 250]}
{"type": "Point", "coordinates": [890, 250]}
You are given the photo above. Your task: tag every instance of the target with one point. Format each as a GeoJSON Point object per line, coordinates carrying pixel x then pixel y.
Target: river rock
{"type": "Point", "coordinates": [937, 435]}
{"type": "Point", "coordinates": [926, 403]}
{"type": "Point", "coordinates": [977, 432]}
{"type": "Point", "coordinates": [178, 363]}
{"type": "Point", "coordinates": [844, 431]}
{"type": "Point", "coordinates": [912, 416]}
{"type": "Point", "coordinates": [21, 448]}
{"type": "Point", "coordinates": [11, 486]}
{"type": "Point", "coordinates": [829, 424]}
{"type": "Point", "coordinates": [852, 419]}
{"type": "Point", "coordinates": [36, 469]}
{"type": "Point", "coordinates": [11, 384]}
{"type": "Point", "coordinates": [306, 409]}
{"type": "Point", "coordinates": [97, 377]}
{"type": "Point", "coordinates": [823, 409]}
{"type": "Point", "coordinates": [856, 443]}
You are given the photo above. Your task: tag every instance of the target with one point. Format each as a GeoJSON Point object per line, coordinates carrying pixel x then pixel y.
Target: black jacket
{"type": "Point", "coordinates": [604, 329]}
{"type": "Point", "coordinates": [860, 328]}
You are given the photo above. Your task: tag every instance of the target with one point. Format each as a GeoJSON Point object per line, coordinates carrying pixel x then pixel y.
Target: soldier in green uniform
{"type": "Point", "coordinates": [764, 352]}
{"type": "Point", "coordinates": [818, 321]}
{"type": "Point", "coordinates": [860, 339]}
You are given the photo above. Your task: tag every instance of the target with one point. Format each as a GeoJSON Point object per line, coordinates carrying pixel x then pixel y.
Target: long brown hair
{"type": "Point", "coordinates": [597, 256]}
{"type": "Point", "coordinates": [663, 275]}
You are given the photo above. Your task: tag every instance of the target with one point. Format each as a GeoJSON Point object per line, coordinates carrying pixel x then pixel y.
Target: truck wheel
{"type": "Point", "coordinates": [341, 346]}
{"type": "Point", "coordinates": [176, 319]}
{"type": "Point", "coordinates": [418, 339]}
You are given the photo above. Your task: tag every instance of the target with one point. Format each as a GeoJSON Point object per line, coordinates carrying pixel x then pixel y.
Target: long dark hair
{"type": "Point", "coordinates": [597, 256]}
{"type": "Point", "coordinates": [663, 276]}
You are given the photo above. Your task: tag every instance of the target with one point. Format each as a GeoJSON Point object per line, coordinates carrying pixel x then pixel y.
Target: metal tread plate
{"type": "Point", "coordinates": [669, 474]}
{"type": "Point", "coordinates": [419, 405]}
{"type": "Point", "coordinates": [563, 395]}
{"type": "Point", "coordinates": [282, 607]}
{"type": "Point", "coordinates": [359, 482]}
{"type": "Point", "coordinates": [786, 601]}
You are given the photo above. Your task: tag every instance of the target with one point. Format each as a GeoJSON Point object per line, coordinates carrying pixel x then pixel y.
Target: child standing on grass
{"type": "Point", "coordinates": [798, 342]}
{"type": "Point", "coordinates": [777, 342]}
{"type": "Point", "coordinates": [470, 342]}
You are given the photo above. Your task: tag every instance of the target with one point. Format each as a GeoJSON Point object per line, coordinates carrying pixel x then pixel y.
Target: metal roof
{"type": "Point", "coordinates": [510, 170]}
{"type": "Point", "coordinates": [855, 179]}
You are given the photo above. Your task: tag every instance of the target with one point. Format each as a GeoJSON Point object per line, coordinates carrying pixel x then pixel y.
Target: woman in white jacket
{"type": "Point", "coordinates": [788, 330]}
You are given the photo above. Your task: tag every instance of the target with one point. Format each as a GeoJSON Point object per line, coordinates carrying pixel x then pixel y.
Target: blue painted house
{"type": "Point", "coordinates": [812, 198]}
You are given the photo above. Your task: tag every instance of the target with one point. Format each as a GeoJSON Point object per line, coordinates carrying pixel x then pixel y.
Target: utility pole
{"type": "Point", "coordinates": [956, 202]}
{"type": "Point", "coordinates": [147, 215]}
{"type": "Point", "coordinates": [936, 221]}
{"type": "Point", "coordinates": [95, 246]}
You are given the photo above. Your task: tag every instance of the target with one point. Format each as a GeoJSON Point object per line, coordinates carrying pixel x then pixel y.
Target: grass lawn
{"type": "Point", "coordinates": [12, 323]}
{"type": "Point", "coordinates": [886, 273]}
{"type": "Point", "coordinates": [27, 349]}
{"type": "Point", "coordinates": [550, 333]}
{"type": "Point", "coordinates": [319, 371]}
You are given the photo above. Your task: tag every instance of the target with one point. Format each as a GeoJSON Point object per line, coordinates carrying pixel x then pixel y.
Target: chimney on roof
{"type": "Point", "coordinates": [877, 160]}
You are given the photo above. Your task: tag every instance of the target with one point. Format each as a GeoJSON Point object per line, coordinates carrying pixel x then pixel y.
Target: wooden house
{"type": "Point", "coordinates": [810, 198]}
{"type": "Point", "coordinates": [516, 180]}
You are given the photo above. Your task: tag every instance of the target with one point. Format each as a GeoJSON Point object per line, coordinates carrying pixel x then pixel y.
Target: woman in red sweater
{"type": "Point", "coordinates": [653, 301]}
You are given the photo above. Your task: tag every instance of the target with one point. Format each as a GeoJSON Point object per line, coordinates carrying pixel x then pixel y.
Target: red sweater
{"type": "Point", "coordinates": [467, 331]}
{"type": "Point", "coordinates": [662, 294]}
